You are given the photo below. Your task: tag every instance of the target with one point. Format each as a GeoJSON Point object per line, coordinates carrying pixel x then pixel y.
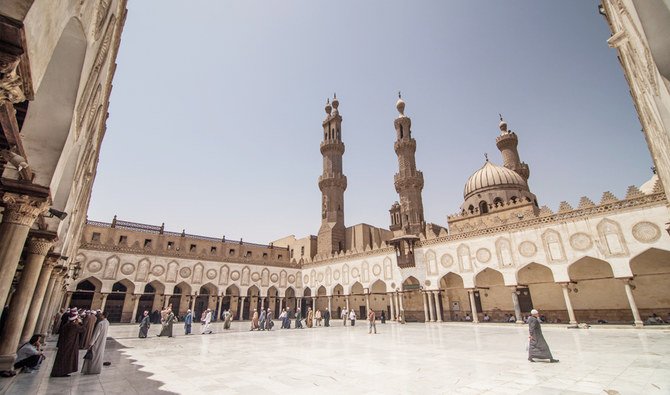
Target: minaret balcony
{"type": "Point", "coordinates": [332, 180]}
{"type": "Point", "coordinates": [405, 145]}
{"type": "Point", "coordinates": [329, 146]}
{"type": "Point", "coordinates": [408, 180]}
{"type": "Point", "coordinates": [507, 140]}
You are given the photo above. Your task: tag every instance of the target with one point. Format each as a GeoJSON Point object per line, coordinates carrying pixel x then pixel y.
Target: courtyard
{"type": "Point", "coordinates": [400, 359]}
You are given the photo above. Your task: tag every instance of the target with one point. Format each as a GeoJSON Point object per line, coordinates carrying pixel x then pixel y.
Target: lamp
{"type": "Point", "coordinates": [57, 213]}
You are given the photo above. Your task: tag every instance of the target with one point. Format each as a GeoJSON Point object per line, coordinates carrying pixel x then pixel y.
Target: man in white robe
{"type": "Point", "coordinates": [97, 346]}
{"type": "Point", "coordinates": [206, 327]}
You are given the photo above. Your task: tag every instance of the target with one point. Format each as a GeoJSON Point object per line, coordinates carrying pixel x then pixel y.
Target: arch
{"type": "Point", "coordinates": [253, 291]}
{"type": "Point", "coordinates": [125, 284]}
{"type": "Point", "coordinates": [209, 288]}
{"type": "Point", "coordinates": [455, 299]}
{"type": "Point", "coordinates": [589, 268]}
{"type": "Point", "coordinates": [431, 263]}
{"type": "Point", "coordinates": [483, 207]}
{"type": "Point", "coordinates": [492, 294]}
{"type": "Point", "coordinates": [498, 202]}
{"type": "Point", "coordinates": [198, 269]}
{"type": "Point", "coordinates": [534, 273]}
{"type": "Point", "coordinates": [388, 269]}
{"type": "Point", "coordinates": [119, 305]}
{"type": "Point", "coordinates": [411, 280]}
{"type": "Point", "coordinates": [612, 241]}
{"type": "Point", "coordinates": [289, 293]}
{"type": "Point", "coordinates": [553, 246]}
{"type": "Point", "coordinates": [378, 287]}
{"type": "Point", "coordinates": [321, 291]}
{"type": "Point", "coordinates": [537, 290]}
{"type": "Point", "coordinates": [464, 258]}
{"type": "Point", "coordinates": [345, 274]}
{"type": "Point", "coordinates": [265, 277]}
{"type": "Point", "coordinates": [489, 277]}
{"type": "Point", "coordinates": [282, 279]}
{"type": "Point", "coordinates": [504, 253]}
{"type": "Point", "coordinates": [329, 276]}
{"type": "Point", "coordinates": [111, 268]}
{"type": "Point", "coordinates": [356, 289]}
{"type": "Point", "coordinates": [307, 292]}
{"type": "Point", "coordinates": [245, 276]}
{"type": "Point", "coordinates": [233, 290]}
{"type": "Point", "coordinates": [142, 270]}
{"type": "Point", "coordinates": [651, 276]}
{"type": "Point", "coordinates": [365, 272]}
{"type": "Point", "coordinates": [272, 291]}
{"type": "Point", "coordinates": [158, 286]}
{"type": "Point", "coordinates": [94, 284]}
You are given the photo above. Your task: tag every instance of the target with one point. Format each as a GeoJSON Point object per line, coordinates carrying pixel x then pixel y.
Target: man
{"type": "Point", "coordinates": [166, 329]}
{"type": "Point", "coordinates": [344, 317]}
{"type": "Point", "coordinates": [383, 317]}
{"type": "Point", "coordinates": [29, 355]}
{"type": "Point", "coordinates": [188, 321]}
{"type": "Point", "coordinates": [97, 346]}
{"type": "Point", "coordinates": [287, 318]}
{"type": "Point", "coordinates": [227, 318]}
{"type": "Point", "coordinates": [67, 356]}
{"type": "Point", "coordinates": [326, 317]}
{"type": "Point", "coordinates": [206, 328]}
{"type": "Point", "coordinates": [317, 317]}
{"type": "Point", "coordinates": [58, 316]}
{"type": "Point", "coordinates": [144, 325]}
{"type": "Point", "coordinates": [261, 321]}
{"type": "Point", "coordinates": [89, 322]}
{"type": "Point", "coordinates": [298, 319]}
{"type": "Point", "coordinates": [268, 320]}
{"type": "Point", "coordinates": [371, 322]}
{"type": "Point", "coordinates": [538, 349]}
{"type": "Point", "coordinates": [310, 317]}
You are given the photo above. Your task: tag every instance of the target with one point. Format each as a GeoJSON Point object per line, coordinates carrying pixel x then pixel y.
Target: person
{"type": "Point", "coordinates": [202, 318]}
{"type": "Point", "coordinates": [144, 325]}
{"type": "Point", "coordinates": [318, 318]}
{"type": "Point", "coordinates": [268, 320]}
{"type": "Point", "coordinates": [188, 322]}
{"type": "Point", "coordinates": [511, 318]}
{"type": "Point", "coordinates": [298, 319]}
{"type": "Point", "coordinates": [206, 327]}
{"type": "Point", "coordinates": [64, 319]}
{"type": "Point", "coordinates": [29, 356]}
{"type": "Point", "coordinates": [538, 349]}
{"type": "Point", "coordinates": [282, 318]}
{"type": "Point", "coordinates": [658, 319]}
{"type": "Point", "coordinates": [310, 317]}
{"type": "Point", "coordinates": [344, 317]}
{"type": "Point", "coordinates": [467, 317]}
{"type": "Point", "coordinates": [371, 322]}
{"type": "Point", "coordinates": [97, 347]}
{"type": "Point", "coordinates": [166, 329]}
{"type": "Point", "coordinates": [401, 317]}
{"type": "Point", "coordinates": [88, 319]}
{"type": "Point", "coordinates": [352, 317]}
{"type": "Point", "coordinates": [261, 320]}
{"type": "Point", "coordinates": [289, 315]}
{"type": "Point", "coordinates": [227, 318]}
{"type": "Point", "coordinates": [383, 317]}
{"type": "Point", "coordinates": [486, 318]}
{"type": "Point", "coordinates": [326, 317]}
{"type": "Point", "coordinates": [67, 356]}
{"type": "Point", "coordinates": [56, 321]}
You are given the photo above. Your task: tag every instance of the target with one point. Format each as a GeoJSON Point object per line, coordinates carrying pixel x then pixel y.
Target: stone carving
{"type": "Point", "coordinates": [185, 272]}
{"type": "Point", "coordinates": [142, 270]}
{"type": "Point", "coordinates": [388, 269]}
{"type": "Point", "coordinates": [211, 274]}
{"type": "Point", "coordinates": [291, 279]}
{"type": "Point", "coordinates": [446, 260]}
{"type": "Point", "coordinates": [94, 266]}
{"type": "Point", "coordinates": [427, 283]}
{"type": "Point", "coordinates": [100, 17]}
{"type": "Point", "coordinates": [197, 273]}
{"type": "Point", "coordinates": [38, 245]}
{"type": "Point", "coordinates": [336, 274]}
{"type": "Point", "coordinates": [329, 276]}
{"type": "Point", "coordinates": [171, 276]}
{"type": "Point", "coordinates": [504, 253]}
{"type": "Point", "coordinates": [245, 276]}
{"type": "Point", "coordinates": [319, 277]}
{"type": "Point", "coordinates": [111, 267]}
{"type": "Point", "coordinates": [365, 272]}
{"type": "Point", "coordinates": [157, 270]}
{"type": "Point", "coordinates": [234, 275]}
{"type": "Point", "coordinates": [612, 242]}
{"type": "Point", "coordinates": [464, 259]}
{"type": "Point", "coordinates": [553, 246]}
{"type": "Point", "coordinates": [483, 255]}
{"type": "Point", "coordinates": [581, 241]}
{"type": "Point", "coordinates": [255, 276]}
{"type": "Point", "coordinates": [282, 279]}
{"type": "Point", "coordinates": [345, 274]}
{"type": "Point", "coordinates": [22, 209]}
{"type": "Point", "coordinates": [11, 83]}
{"type": "Point", "coordinates": [298, 280]}
{"type": "Point", "coordinates": [223, 275]}
{"type": "Point", "coordinates": [431, 262]}
{"type": "Point", "coordinates": [376, 270]}
{"type": "Point", "coordinates": [355, 272]}
{"type": "Point", "coordinates": [274, 277]}
{"type": "Point", "coordinates": [127, 269]}
{"type": "Point", "coordinates": [646, 232]}
{"type": "Point", "coordinates": [265, 278]}
{"type": "Point", "coordinates": [305, 279]}
{"type": "Point", "coordinates": [527, 249]}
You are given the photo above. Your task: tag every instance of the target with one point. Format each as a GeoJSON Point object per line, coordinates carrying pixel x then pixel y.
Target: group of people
{"type": "Point", "coordinates": [168, 318]}
{"type": "Point", "coordinates": [654, 319]}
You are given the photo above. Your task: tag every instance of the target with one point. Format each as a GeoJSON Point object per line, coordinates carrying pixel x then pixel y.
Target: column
{"type": "Point", "coordinates": [392, 302]}
{"type": "Point", "coordinates": [104, 302]}
{"type": "Point", "coordinates": [633, 306]}
{"type": "Point", "coordinates": [314, 303]}
{"type": "Point", "coordinates": [438, 310]}
{"type": "Point", "coordinates": [431, 306]}
{"type": "Point", "coordinates": [218, 307]}
{"type": "Point", "coordinates": [44, 317]}
{"type": "Point", "coordinates": [517, 307]}
{"type": "Point", "coordinates": [568, 304]}
{"type": "Point", "coordinates": [17, 218]}
{"type": "Point", "coordinates": [241, 315]}
{"type": "Point", "coordinates": [262, 303]}
{"type": "Point", "coordinates": [166, 302]}
{"type": "Point", "coordinates": [37, 248]}
{"type": "Point", "coordinates": [346, 298]}
{"type": "Point", "coordinates": [425, 307]}
{"type": "Point", "coordinates": [38, 298]}
{"type": "Point", "coordinates": [330, 304]}
{"type": "Point", "coordinates": [68, 299]}
{"type": "Point", "coordinates": [400, 302]}
{"type": "Point", "coordinates": [136, 299]}
{"type": "Point", "coordinates": [473, 306]}
{"type": "Point", "coordinates": [367, 301]}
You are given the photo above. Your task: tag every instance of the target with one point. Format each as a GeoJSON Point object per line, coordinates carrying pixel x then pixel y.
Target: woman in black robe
{"type": "Point", "coordinates": [144, 325]}
{"type": "Point", "coordinates": [538, 347]}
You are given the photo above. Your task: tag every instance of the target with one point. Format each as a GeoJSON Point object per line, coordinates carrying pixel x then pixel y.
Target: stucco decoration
{"type": "Point", "coordinates": [197, 273]}
{"type": "Point", "coordinates": [553, 246]}
{"type": "Point", "coordinates": [127, 269]}
{"type": "Point", "coordinates": [234, 275]}
{"type": "Point", "coordinates": [223, 275]}
{"type": "Point", "coordinates": [646, 232]}
{"type": "Point", "coordinates": [111, 268]}
{"type": "Point", "coordinates": [611, 240]}
{"type": "Point", "coordinates": [94, 266]}
{"type": "Point", "coordinates": [504, 253]}
{"type": "Point", "coordinates": [100, 17]}
{"type": "Point", "coordinates": [143, 270]}
{"type": "Point", "coordinates": [355, 272]}
{"type": "Point", "coordinates": [211, 274]}
{"type": "Point", "coordinates": [291, 279]}
{"type": "Point", "coordinates": [446, 260]}
{"type": "Point", "coordinates": [282, 279]}
{"type": "Point", "coordinates": [388, 269]}
{"type": "Point", "coordinates": [171, 276]}
{"type": "Point", "coordinates": [376, 270]}
{"type": "Point", "coordinates": [319, 277]}
{"type": "Point", "coordinates": [345, 274]}
{"type": "Point", "coordinates": [305, 279]}
{"type": "Point", "coordinates": [464, 259]}
{"type": "Point", "coordinates": [527, 249]}
{"type": "Point", "coordinates": [427, 283]}
{"type": "Point", "coordinates": [336, 274]}
{"type": "Point", "coordinates": [483, 255]}
{"type": "Point", "coordinates": [274, 277]}
{"type": "Point", "coordinates": [312, 278]}
{"type": "Point", "coordinates": [185, 272]}
{"type": "Point", "coordinates": [265, 278]}
{"type": "Point", "coordinates": [246, 273]}
{"type": "Point", "coordinates": [365, 272]}
{"type": "Point", "coordinates": [329, 276]}
{"type": "Point", "coordinates": [157, 270]}
{"type": "Point", "coordinates": [431, 262]}
{"type": "Point", "coordinates": [255, 276]}
{"type": "Point", "coordinates": [298, 280]}
{"type": "Point", "coordinates": [581, 241]}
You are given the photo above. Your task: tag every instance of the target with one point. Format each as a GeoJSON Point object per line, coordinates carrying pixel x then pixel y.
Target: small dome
{"type": "Point", "coordinates": [400, 106]}
{"type": "Point", "coordinates": [328, 107]}
{"type": "Point", "coordinates": [336, 103]}
{"type": "Point", "coordinates": [648, 187]}
{"type": "Point", "coordinates": [491, 176]}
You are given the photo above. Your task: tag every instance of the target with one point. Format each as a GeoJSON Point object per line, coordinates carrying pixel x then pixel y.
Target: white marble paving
{"type": "Point", "coordinates": [401, 359]}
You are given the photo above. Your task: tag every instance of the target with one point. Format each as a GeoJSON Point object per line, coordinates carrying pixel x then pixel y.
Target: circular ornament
{"type": "Point", "coordinates": [291, 279]}
{"type": "Point", "coordinates": [127, 269]}
{"type": "Point", "coordinates": [336, 275]}
{"type": "Point", "coordinates": [427, 283]}
{"type": "Point", "coordinates": [392, 286]}
{"type": "Point", "coordinates": [527, 249]}
{"type": "Point", "coordinates": [646, 232]}
{"type": "Point", "coordinates": [274, 277]}
{"type": "Point", "coordinates": [255, 276]}
{"type": "Point", "coordinates": [185, 272]}
{"type": "Point", "coordinates": [211, 274]}
{"type": "Point", "coordinates": [483, 255]}
{"type": "Point", "coordinates": [305, 279]}
{"type": "Point", "coordinates": [94, 266]}
{"type": "Point", "coordinates": [355, 272]}
{"type": "Point", "coordinates": [157, 270]}
{"type": "Point", "coordinates": [319, 277]}
{"type": "Point", "coordinates": [376, 270]}
{"type": "Point", "coordinates": [446, 261]}
{"type": "Point", "coordinates": [581, 241]}
{"type": "Point", "coordinates": [234, 275]}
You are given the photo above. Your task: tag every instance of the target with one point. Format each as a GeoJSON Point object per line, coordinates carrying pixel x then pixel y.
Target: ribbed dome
{"type": "Point", "coordinates": [490, 176]}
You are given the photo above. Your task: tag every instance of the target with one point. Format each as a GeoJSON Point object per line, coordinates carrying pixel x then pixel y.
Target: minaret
{"type": "Point", "coordinates": [408, 181]}
{"type": "Point", "coordinates": [332, 183]}
{"type": "Point", "coordinates": [507, 143]}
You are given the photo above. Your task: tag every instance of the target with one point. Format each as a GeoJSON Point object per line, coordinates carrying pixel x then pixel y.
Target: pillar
{"type": "Point", "coordinates": [438, 310]}
{"type": "Point", "coordinates": [314, 303]}
{"type": "Point", "coordinates": [431, 306]}
{"type": "Point", "coordinates": [68, 299]}
{"type": "Point", "coordinates": [330, 304]}
{"type": "Point", "coordinates": [38, 298]}
{"type": "Point", "coordinates": [218, 307]}
{"type": "Point", "coordinates": [400, 302]}
{"type": "Point", "coordinates": [633, 306]}
{"type": "Point", "coordinates": [517, 307]}
{"type": "Point", "coordinates": [262, 303]}
{"type": "Point", "coordinates": [568, 304]}
{"type": "Point", "coordinates": [241, 314]}
{"type": "Point", "coordinates": [44, 317]}
{"type": "Point", "coordinates": [136, 300]}
{"type": "Point", "coordinates": [391, 297]}
{"type": "Point", "coordinates": [166, 302]}
{"type": "Point", "coordinates": [17, 218]}
{"type": "Point", "coordinates": [346, 298]}
{"type": "Point", "coordinates": [193, 304]}
{"type": "Point", "coordinates": [37, 249]}
{"type": "Point", "coordinates": [367, 302]}
{"type": "Point", "coordinates": [104, 302]}
{"type": "Point", "coordinates": [473, 306]}
{"type": "Point", "coordinates": [425, 307]}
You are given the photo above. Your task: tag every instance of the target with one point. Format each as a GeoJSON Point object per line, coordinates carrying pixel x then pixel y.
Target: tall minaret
{"type": "Point", "coordinates": [507, 143]}
{"type": "Point", "coordinates": [332, 184]}
{"type": "Point", "coordinates": [408, 181]}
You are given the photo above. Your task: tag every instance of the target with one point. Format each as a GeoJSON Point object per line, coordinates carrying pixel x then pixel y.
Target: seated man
{"type": "Point", "coordinates": [486, 318]}
{"type": "Point", "coordinates": [467, 317]}
{"type": "Point", "coordinates": [29, 355]}
{"type": "Point", "coordinates": [511, 318]}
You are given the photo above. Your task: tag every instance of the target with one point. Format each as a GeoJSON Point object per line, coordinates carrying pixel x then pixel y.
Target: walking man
{"type": "Point", "coordinates": [188, 321]}
{"type": "Point", "coordinates": [371, 322]}
{"type": "Point", "coordinates": [206, 328]}
{"type": "Point", "coordinates": [326, 317]}
{"type": "Point", "coordinates": [97, 346]}
{"type": "Point", "coordinates": [538, 349]}
{"type": "Point", "coordinates": [344, 317]}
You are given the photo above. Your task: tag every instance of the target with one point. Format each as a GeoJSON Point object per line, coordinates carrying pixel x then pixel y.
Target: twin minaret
{"type": "Point", "coordinates": [507, 144]}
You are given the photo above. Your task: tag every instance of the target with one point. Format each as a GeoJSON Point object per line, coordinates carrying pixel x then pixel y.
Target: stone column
{"type": "Point", "coordinates": [330, 305]}
{"type": "Point", "coordinates": [17, 218]}
{"type": "Point", "coordinates": [193, 297]}
{"type": "Point", "coordinates": [44, 316]}
{"type": "Point", "coordinates": [37, 249]}
{"type": "Point", "coordinates": [367, 302]}
{"type": "Point", "coordinates": [568, 304]}
{"type": "Point", "coordinates": [218, 307]}
{"type": "Point", "coordinates": [431, 306]}
{"type": "Point", "coordinates": [166, 301]}
{"type": "Point", "coordinates": [241, 315]}
{"type": "Point", "coordinates": [68, 299]}
{"type": "Point", "coordinates": [438, 310]}
{"type": "Point", "coordinates": [400, 302]}
{"type": "Point", "coordinates": [104, 302]}
{"type": "Point", "coordinates": [346, 298]}
{"type": "Point", "coordinates": [633, 306]}
{"type": "Point", "coordinates": [517, 307]}
{"type": "Point", "coordinates": [425, 307]}
{"type": "Point", "coordinates": [38, 298]}
{"type": "Point", "coordinates": [314, 303]}
{"type": "Point", "coordinates": [136, 300]}
{"type": "Point", "coordinates": [473, 306]}
{"type": "Point", "coordinates": [392, 302]}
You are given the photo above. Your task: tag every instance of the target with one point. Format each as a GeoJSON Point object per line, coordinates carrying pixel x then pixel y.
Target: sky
{"type": "Point", "coordinates": [216, 108]}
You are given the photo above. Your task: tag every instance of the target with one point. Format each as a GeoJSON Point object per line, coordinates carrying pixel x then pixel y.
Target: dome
{"type": "Point", "coordinates": [491, 176]}
{"type": "Point", "coordinates": [648, 187]}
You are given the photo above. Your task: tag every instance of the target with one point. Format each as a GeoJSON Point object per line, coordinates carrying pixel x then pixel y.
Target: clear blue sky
{"type": "Point", "coordinates": [215, 116]}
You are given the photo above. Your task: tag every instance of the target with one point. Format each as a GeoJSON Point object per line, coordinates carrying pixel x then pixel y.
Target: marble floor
{"type": "Point", "coordinates": [400, 359]}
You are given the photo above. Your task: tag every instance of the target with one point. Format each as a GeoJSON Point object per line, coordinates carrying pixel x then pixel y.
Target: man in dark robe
{"type": "Point", "coordinates": [538, 349]}
{"type": "Point", "coordinates": [298, 319]}
{"type": "Point", "coordinates": [166, 330]}
{"type": "Point", "coordinates": [89, 325]}
{"type": "Point", "coordinates": [144, 325]}
{"type": "Point", "coordinates": [326, 318]}
{"type": "Point", "coordinates": [67, 356]}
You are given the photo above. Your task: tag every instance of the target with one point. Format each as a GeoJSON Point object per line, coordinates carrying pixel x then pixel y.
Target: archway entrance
{"type": "Point", "coordinates": [596, 295]}
{"type": "Point", "coordinates": [455, 297]}
{"type": "Point", "coordinates": [339, 301]}
{"type": "Point", "coordinates": [379, 301]}
{"type": "Point", "coordinates": [651, 279]}
{"type": "Point", "coordinates": [82, 298]}
{"type": "Point", "coordinates": [306, 301]}
{"type": "Point", "coordinates": [231, 301]}
{"type": "Point", "coordinates": [412, 300]}
{"type": "Point", "coordinates": [538, 290]}
{"type": "Point", "coordinates": [119, 305]}
{"type": "Point", "coordinates": [492, 296]}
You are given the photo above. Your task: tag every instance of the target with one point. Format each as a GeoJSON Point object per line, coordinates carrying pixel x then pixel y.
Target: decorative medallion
{"type": "Point", "coordinates": [319, 277]}
{"type": "Point", "coordinates": [527, 249]}
{"type": "Point", "coordinates": [581, 241]}
{"type": "Point", "coordinates": [427, 283]}
{"type": "Point", "coordinates": [255, 276]}
{"type": "Point", "coordinates": [94, 266]}
{"type": "Point", "coordinates": [185, 272]}
{"type": "Point", "coordinates": [646, 232]}
{"type": "Point", "coordinates": [483, 255]}
{"type": "Point", "coordinates": [211, 274]}
{"type": "Point", "coordinates": [446, 261]}
{"type": "Point", "coordinates": [127, 269]}
{"type": "Point", "coordinates": [376, 270]}
{"type": "Point", "coordinates": [291, 279]}
{"type": "Point", "coordinates": [157, 270]}
{"type": "Point", "coordinates": [274, 277]}
{"type": "Point", "coordinates": [336, 274]}
{"type": "Point", "coordinates": [355, 272]}
{"type": "Point", "coordinates": [305, 279]}
{"type": "Point", "coordinates": [234, 275]}
{"type": "Point", "coordinates": [392, 286]}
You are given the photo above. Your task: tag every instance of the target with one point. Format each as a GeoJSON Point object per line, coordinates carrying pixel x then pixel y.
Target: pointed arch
{"type": "Point", "coordinates": [290, 292]}
{"type": "Point", "coordinates": [253, 291]}
{"type": "Point", "coordinates": [312, 278]}
{"type": "Point", "coordinates": [533, 273]}
{"type": "Point", "coordinates": [233, 290]}
{"type": "Point", "coordinates": [338, 289]}
{"type": "Point", "coordinates": [91, 283]}
{"type": "Point", "coordinates": [378, 288]}
{"type": "Point", "coordinates": [356, 289]}
{"type": "Point", "coordinates": [612, 241]}
{"type": "Point", "coordinates": [365, 272]}
{"type": "Point", "coordinates": [553, 246]}
{"type": "Point", "coordinates": [431, 263]}
{"type": "Point", "coordinates": [272, 291]}
{"type": "Point", "coordinates": [504, 252]}
{"type": "Point", "coordinates": [329, 276]}
{"type": "Point", "coordinates": [464, 259]}
{"type": "Point", "coordinates": [321, 291]}
{"type": "Point", "coordinates": [489, 277]}
{"type": "Point", "coordinates": [183, 288]}
{"type": "Point", "coordinates": [223, 275]}
{"type": "Point", "coordinates": [388, 269]}
{"type": "Point", "coordinates": [282, 279]}
{"type": "Point", "coordinates": [345, 274]}
{"type": "Point", "coordinates": [246, 273]}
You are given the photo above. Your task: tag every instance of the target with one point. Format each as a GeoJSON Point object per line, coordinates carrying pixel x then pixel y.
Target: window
{"type": "Point", "coordinates": [498, 202]}
{"type": "Point", "coordinates": [193, 248]}
{"type": "Point", "coordinates": [231, 252]}
{"type": "Point", "coordinates": [471, 209]}
{"type": "Point", "coordinates": [513, 199]}
{"type": "Point", "coordinates": [265, 255]}
{"type": "Point", "coordinates": [302, 251]}
{"type": "Point", "coordinates": [248, 254]}
{"type": "Point", "coordinates": [123, 239]}
{"type": "Point", "coordinates": [212, 250]}
{"type": "Point", "coordinates": [170, 245]}
{"type": "Point", "coordinates": [96, 237]}
{"type": "Point", "coordinates": [279, 256]}
{"type": "Point", "coordinates": [483, 207]}
{"type": "Point", "coordinates": [291, 253]}
{"type": "Point", "coordinates": [147, 243]}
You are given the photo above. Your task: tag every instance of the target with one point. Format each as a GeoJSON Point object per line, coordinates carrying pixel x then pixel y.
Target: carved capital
{"type": "Point", "coordinates": [11, 84]}
{"type": "Point", "coordinates": [22, 209]}
{"type": "Point", "coordinates": [38, 245]}
{"type": "Point", "coordinates": [50, 261]}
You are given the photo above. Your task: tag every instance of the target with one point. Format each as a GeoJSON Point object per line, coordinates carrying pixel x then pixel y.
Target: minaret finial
{"type": "Point", "coordinates": [500, 115]}
{"type": "Point", "coordinates": [399, 95]}
{"type": "Point", "coordinates": [486, 156]}
{"type": "Point", "coordinates": [335, 95]}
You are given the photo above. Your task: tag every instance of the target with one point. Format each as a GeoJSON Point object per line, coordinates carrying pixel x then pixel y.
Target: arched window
{"type": "Point", "coordinates": [513, 199]}
{"type": "Point", "coordinates": [497, 202]}
{"type": "Point", "coordinates": [483, 207]}
{"type": "Point", "coordinates": [471, 209]}
{"type": "Point", "coordinates": [401, 131]}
